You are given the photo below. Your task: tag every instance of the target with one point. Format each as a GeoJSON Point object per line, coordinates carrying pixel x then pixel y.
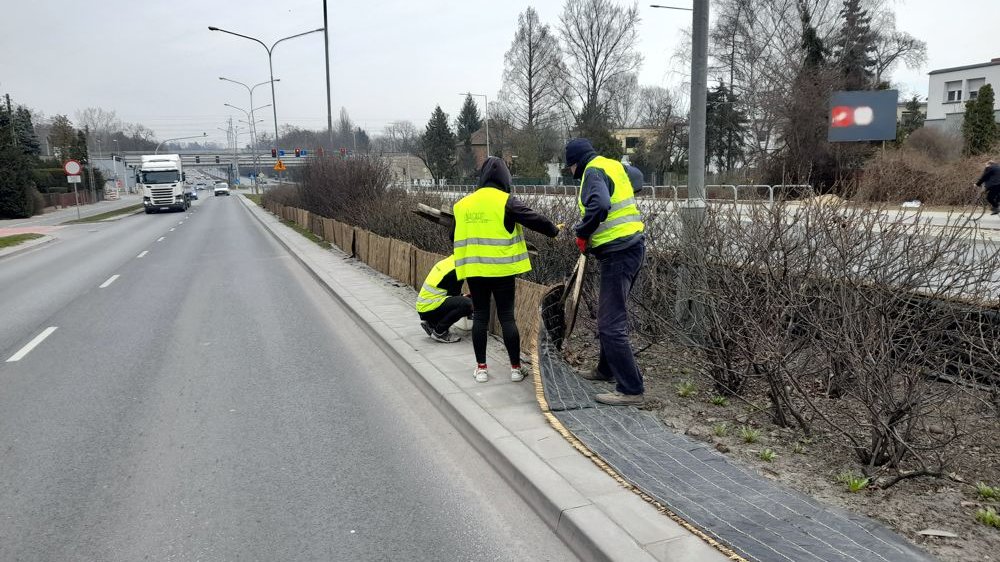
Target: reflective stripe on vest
{"type": "Point", "coordinates": [431, 296]}
{"type": "Point", "coordinates": [483, 247]}
{"type": "Point", "coordinates": [623, 217]}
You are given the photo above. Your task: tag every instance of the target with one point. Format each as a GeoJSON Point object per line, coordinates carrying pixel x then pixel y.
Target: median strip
{"type": "Point", "coordinates": [15, 239]}
{"type": "Point", "coordinates": [32, 345]}
{"type": "Point", "coordinates": [131, 209]}
{"type": "Point", "coordinates": [109, 281]}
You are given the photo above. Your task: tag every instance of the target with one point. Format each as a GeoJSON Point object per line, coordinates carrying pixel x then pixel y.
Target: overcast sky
{"type": "Point", "coordinates": [155, 62]}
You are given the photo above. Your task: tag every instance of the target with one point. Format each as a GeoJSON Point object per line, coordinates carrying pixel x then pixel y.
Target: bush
{"type": "Point", "coordinates": [901, 175]}
{"type": "Point", "coordinates": [939, 144]}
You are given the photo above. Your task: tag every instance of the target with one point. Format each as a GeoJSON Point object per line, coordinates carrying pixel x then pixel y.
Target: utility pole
{"type": "Point", "coordinates": [691, 276]}
{"type": "Point", "coordinates": [326, 51]}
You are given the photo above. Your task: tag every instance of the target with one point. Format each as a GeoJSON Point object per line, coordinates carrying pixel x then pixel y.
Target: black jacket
{"type": "Point", "coordinates": [991, 177]}
{"type": "Point", "coordinates": [494, 173]}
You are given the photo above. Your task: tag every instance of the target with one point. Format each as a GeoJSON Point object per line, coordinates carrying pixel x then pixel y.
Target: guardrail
{"type": "Point", "coordinates": [655, 192]}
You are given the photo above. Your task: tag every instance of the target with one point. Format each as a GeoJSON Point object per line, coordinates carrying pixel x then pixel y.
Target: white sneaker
{"type": "Point", "coordinates": [516, 375]}
{"type": "Point", "coordinates": [481, 374]}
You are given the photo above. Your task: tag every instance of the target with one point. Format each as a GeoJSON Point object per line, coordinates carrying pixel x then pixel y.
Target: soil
{"type": "Point", "coordinates": [812, 466]}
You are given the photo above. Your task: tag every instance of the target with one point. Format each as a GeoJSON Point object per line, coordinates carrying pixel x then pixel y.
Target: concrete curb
{"type": "Point", "coordinates": [588, 531]}
{"type": "Point", "coordinates": [26, 246]}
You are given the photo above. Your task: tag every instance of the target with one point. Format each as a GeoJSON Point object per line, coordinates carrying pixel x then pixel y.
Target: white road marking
{"type": "Point", "coordinates": [182, 222]}
{"type": "Point", "coordinates": [171, 230]}
{"type": "Point", "coordinates": [32, 344]}
{"type": "Point", "coordinates": [160, 239]}
{"type": "Point", "coordinates": [144, 252]}
{"type": "Point", "coordinates": [109, 281]}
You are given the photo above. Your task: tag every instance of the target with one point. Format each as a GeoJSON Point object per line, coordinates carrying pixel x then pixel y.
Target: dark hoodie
{"type": "Point", "coordinates": [494, 173]}
{"type": "Point", "coordinates": [595, 192]}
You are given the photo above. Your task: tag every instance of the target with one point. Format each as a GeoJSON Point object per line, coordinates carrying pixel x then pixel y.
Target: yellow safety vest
{"type": "Point", "coordinates": [623, 218]}
{"type": "Point", "coordinates": [483, 247]}
{"type": "Point", "coordinates": [431, 297]}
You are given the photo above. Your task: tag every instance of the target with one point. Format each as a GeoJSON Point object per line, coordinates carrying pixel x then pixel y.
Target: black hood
{"type": "Point", "coordinates": [494, 173]}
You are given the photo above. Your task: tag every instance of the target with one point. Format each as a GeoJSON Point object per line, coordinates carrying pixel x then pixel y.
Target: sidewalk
{"type": "Point", "coordinates": [60, 216]}
{"type": "Point", "coordinates": [590, 511]}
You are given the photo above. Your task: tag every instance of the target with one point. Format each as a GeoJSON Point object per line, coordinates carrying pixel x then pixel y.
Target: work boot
{"type": "Point", "coordinates": [427, 327]}
{"type": "Point", "coordinates": [618, 399]}
{"type": "Point", "coordinates": [593, 375]}
{"type": "Point", "coordinates": [445, 337]}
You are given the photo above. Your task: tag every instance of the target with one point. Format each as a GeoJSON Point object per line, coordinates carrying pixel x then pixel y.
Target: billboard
{"type": "Point", "coordinates": [863, 116]}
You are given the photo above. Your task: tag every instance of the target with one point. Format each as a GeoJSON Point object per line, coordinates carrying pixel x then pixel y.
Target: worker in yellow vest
{"type": "Point", "coordinates": [611, 230]}
{"type": "Point", "coordinates": [490, 251]}
{"type": "Point", "coordinates": [440, 303]}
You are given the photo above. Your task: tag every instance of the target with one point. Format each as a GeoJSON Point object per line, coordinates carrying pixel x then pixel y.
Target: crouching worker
{"type": "Point", "coordinates": [440, 303]}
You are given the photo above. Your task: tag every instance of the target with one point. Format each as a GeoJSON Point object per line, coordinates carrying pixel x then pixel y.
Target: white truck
{"type": "Point", "coordinates": [161, 178]}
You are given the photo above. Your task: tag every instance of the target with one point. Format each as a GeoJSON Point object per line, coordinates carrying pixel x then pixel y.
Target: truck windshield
{"type": "Point", "coordinates": [163, 176]}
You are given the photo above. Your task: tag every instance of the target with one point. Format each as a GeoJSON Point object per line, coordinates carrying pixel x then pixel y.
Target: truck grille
{"type": "Point", "coordinates": [162, 195]}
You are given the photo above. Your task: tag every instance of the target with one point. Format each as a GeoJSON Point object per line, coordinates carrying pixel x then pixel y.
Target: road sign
{"type": "Point", "coordinates": [74, 179]}
{"type": "Point", "coordinates": [281, 153]}
{"type": "Point", "coordinates": [279, 166]}
{"type": "Point", "coordinates": [72, 168]}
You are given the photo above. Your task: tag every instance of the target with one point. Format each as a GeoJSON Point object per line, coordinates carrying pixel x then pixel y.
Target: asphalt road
{"type": "Point", "coordinates": [211, 402]}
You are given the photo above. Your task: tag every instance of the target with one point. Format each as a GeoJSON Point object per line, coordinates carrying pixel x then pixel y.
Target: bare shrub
{"type": "Point", "coordinates": [895, 176]}
{"type": "Point", "coordinates": [856, 320]}
{"type": "Point", "coordinates": [935, 143]}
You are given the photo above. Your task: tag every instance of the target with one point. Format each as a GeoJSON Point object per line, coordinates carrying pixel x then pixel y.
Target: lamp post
{"type": "Point", "coordinates": [253, 122]}
{"type": "Point", "coordinates": [253, 133]}
{"type": "Point", "coordinates": [487, 102]}
{"type": "Point", "coordinates": [157, 150]}
{"type": "Point", "coordinates": [691, 278]}
{"type": "Point", "coordinates": [270, 64]}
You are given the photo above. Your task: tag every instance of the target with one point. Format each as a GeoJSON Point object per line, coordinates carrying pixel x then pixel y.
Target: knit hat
{"type": "Point", "coordinates": [577, 151]}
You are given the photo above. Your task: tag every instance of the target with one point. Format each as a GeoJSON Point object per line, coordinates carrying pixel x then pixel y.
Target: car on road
{"type": "Point", "coordinates": [191, 193]}
{"type": "Point", "coordinates": [221, 188]}
{"type": "Point", "coordinates": [201, 186]}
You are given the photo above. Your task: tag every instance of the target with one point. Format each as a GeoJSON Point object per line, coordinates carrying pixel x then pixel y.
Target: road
{"type": "Point", "coordinates": [59, 216]}
{"type": "Point", "coordinates": [199, 397]}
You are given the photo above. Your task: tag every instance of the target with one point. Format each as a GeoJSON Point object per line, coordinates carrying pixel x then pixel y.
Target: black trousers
{"type": "Point", "coordinates": [451, 310]}
{"type": "Point", "coordinates": [993, 197]}
{"type": "Point", "coordinates": [501, 289]}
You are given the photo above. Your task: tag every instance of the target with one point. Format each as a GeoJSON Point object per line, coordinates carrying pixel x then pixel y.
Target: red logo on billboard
{"type": "Point", "coordinates": [842, 116]}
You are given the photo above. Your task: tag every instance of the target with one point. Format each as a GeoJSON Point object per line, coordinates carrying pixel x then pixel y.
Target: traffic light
{"type": "Point", "coordinates": [197, 159]}
{"type": "Point", "coordinates": [216, 159]}
{"type": "Point", "coordinates": [297, 152]}
{"type": "Point", "coordinates": [274, 153]}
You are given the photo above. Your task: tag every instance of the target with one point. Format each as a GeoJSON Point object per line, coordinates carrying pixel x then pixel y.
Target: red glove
{"type": "Point", "coordinates": [582, 244]}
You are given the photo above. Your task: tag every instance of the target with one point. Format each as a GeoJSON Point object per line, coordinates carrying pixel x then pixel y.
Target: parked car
{"type": "Point", "coordinates": [221, 188]}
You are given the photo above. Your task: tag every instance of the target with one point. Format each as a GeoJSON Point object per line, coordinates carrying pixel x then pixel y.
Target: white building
{"type": "Point", "coordinates": [950, 88]}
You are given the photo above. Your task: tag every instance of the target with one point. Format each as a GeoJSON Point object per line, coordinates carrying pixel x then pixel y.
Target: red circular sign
{"type": "Point", "coordinates": [72, 168]}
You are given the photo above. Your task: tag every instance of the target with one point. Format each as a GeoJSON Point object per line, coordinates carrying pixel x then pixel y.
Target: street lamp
{"type": "Point", "coordinates": [157, 150]}
{"type": "Point", "coordinates": [270, 64]}
{"type": "Point", "coordinates": [487, 102]}
{"type": "Point", "coordinates": [253, 122]}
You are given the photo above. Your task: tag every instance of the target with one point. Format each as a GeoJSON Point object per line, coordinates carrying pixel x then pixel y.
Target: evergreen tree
{"type": "Point", "coordinates": [17, 162]}
{"type": "Point", "coordinates": [725, 129]}
{"type": "Point", "coordinates": [913, 119]}
{"type": "Point", "coordinates": [438, 144]}
{"type": "Point", "coordinates": [855, 46]}
{"type": "Point", "coordinates": [468, 123]}
{"type": "Point", "coordinates": [979, 128]}
{"type": "Point", "coordinates": [593, 123]}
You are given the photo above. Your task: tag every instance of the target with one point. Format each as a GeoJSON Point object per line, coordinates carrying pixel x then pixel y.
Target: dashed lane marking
{"type": "Point", "coordinates": [109, 281]}
{"type": "Point", "coordinates": [144, 252]}
{"type": "Point", "coordinates": [32, 344]}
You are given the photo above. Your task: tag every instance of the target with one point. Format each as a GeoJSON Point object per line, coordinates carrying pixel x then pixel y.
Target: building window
{"type": "Point", "coordinates": [974, 86]}
{"type": "Point", "coordinates": [631, 142]}
{"type": "Point", "coordinates": [954, 90]}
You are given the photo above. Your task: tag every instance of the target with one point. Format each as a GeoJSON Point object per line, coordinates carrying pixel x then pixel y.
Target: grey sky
{"type": "Point", "coordinates": [155, 62]}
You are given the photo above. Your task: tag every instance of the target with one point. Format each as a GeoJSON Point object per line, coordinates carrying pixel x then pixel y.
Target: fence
{"type": "Point", "coordinates": [408, 264]}
{"type": "Point", "coordinates": [667, 192]}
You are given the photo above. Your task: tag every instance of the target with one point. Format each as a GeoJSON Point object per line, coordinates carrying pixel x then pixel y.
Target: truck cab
{"type": "Point", "coordinates": [161, 178]}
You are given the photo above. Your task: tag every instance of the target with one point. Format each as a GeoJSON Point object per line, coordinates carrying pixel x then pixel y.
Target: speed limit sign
{"type": "Point", "coordinates": [72, 168]}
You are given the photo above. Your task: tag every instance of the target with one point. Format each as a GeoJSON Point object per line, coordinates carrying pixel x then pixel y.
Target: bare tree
{"type": "Point", "coordinates": [101, 123]}
{"type": "Point", "coordinates": [622, 100]}
{"type": "Point", "coordinates": [601, 40]}
{"type": "Point", "coordinates": [893, 47]}
{"type": "Point", "coordinates": [533, 73]}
